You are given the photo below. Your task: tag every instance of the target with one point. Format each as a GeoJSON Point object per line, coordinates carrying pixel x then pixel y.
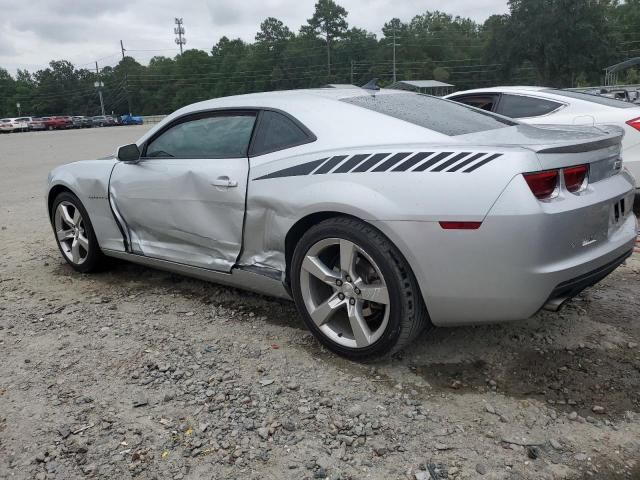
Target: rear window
{"type": "Point", "coordinates": [589, 97]}
{"type": "Point", "coordinates": [521, 106]}
{"type": "Point", "coordinates": [483, 102]}
{"type": "Point", "coordinates": [275, 131]}
{"type": "Point", "coordinates": [442, 116]}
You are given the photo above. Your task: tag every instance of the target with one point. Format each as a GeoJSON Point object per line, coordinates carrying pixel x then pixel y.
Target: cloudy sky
{"type": "Point", "coordinates": [32, 32]}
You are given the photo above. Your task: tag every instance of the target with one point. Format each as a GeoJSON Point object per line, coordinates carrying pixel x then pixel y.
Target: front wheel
{"type": "Point", "coordinates": [75, 236]}
{"type": "Point", "coordinates": [354, 290]}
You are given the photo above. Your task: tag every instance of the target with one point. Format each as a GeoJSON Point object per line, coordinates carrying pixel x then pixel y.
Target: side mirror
{"type": "Point", "coordinates": [128, 153]}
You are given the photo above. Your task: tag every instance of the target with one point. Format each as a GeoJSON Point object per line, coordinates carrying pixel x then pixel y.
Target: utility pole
{"type": "Point", "coordinates": [394, 53]}
{"type": "Point", "coordinates": [351, 72]}
{"type": "Point", "coordinates": [179, 31]}
{"type": "Point", "coordinates": [99, 86]}
{"type": "Point", "coordinates": [328, 56]}
{"type": "Point", "coordinates": [126, 80]}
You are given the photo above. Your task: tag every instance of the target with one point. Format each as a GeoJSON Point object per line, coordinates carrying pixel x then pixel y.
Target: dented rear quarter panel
{"type": "Point", "coordinates": [274, 205]}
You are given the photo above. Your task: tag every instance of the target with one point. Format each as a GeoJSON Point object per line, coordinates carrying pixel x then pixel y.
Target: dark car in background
{"type": "Point", "coordinates": [100, 121]}
{"type": "Point", "coordinates": [80, 121]}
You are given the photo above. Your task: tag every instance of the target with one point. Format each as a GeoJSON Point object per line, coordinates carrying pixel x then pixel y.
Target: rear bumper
{"type": "Point", "coordinates": [570, 288]}
{"type": "Point", "coordinates": [525, 254]}
{"type": "Point", "coordinates": [631, 159]}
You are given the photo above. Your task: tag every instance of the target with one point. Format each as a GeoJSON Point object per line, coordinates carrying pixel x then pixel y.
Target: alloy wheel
{"type": "Point", "coordinates": [71, 233]}
{"type": "Point", "coordinates": [345, 293]}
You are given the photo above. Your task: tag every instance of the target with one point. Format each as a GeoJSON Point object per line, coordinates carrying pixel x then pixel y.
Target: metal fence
{"type": "Point", "coordinates": [152, 119]}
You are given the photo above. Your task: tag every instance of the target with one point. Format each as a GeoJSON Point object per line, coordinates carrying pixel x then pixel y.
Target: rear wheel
{"type": "Point", "coordinates": [75, 236]}
{"type": "Point", "coordinates": [354, 289]}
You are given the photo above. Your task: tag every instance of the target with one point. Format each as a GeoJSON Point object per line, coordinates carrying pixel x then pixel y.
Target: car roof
{"type": "Point", "coordinates": [316, 108]}
{"type": "Point", "coordinates": [512, 89]}
{"type": "Point", "coordinates": [275, 98]}
{"type": "Point", "coordinates": [295, 102]}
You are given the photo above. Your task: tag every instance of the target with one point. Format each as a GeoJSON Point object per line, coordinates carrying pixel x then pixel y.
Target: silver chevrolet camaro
{"type": "Point", "coordinates": [378, 212]}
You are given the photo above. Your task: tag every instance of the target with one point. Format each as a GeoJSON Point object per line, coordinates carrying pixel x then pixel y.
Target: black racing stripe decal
{"type": "Point", "coordinates": [295, 171]}
{"type": "Point", "coordinates": [410, 162]}
{"type": "Point", "coordinates": [398, 162]}
{"type": "Point", "coordinates": [451, 161]}
{"type": "Point", "coordinates": [457, 167]}
{"type": "Point", "coordinates": [332, 162]}
{"type": "Point", "coordinates": [370, 162]}
{"type": "Point", "coordinates": [387, 164]}
{"type": "Point", "coordinates": [481, 163]}
{"type": "Point", "coordinates": [432, 161]}
{"type": "Point", "coordinates": [352, 162]}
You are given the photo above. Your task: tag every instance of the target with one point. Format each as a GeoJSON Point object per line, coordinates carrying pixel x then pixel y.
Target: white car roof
{"type": "Point", "coordinates": [512, 89]}
{"type": "Point", "coordinates": [323, 113]}
{"type": "Point", "coordinates": [278, 98]}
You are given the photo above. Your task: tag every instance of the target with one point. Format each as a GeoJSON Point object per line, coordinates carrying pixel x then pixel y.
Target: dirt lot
{"type": "Point", "coordinates": [135, 373]}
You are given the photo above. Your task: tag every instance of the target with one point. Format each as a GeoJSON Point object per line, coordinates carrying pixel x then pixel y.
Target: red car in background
{"type": "Point", "coordinates": [56, 123]}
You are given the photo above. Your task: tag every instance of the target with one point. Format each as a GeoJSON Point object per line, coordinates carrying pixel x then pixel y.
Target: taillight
{"type": "Point", "coordinates": [574, 177]}
{"type": "Point", "coordinates": [542, 184]}
{"type": "Point", "coordinates": [635, 123]}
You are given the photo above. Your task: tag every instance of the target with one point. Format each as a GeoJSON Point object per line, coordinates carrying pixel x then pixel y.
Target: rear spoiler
{"type": "Point", "coordinates": [602, 137]}
{"type": "Point", "coordinates": [584, 147]}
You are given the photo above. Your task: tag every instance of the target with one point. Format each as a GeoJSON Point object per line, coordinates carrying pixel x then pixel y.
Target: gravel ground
{"type": "Point", "coordinates": [136, 373]}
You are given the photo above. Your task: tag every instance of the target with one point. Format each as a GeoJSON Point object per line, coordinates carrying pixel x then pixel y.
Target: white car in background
{"type": "Point", "coordinates": [13, 125]}
{"type": "Point", "coordinates": [541, 105]}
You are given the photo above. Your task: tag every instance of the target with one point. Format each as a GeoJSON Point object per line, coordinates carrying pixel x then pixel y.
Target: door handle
{"type": "Point", "coordinates": [224, 182]}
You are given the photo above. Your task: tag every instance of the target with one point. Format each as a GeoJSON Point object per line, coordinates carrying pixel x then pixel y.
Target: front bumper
{"type": "Point", "coordinates": [525, 254]}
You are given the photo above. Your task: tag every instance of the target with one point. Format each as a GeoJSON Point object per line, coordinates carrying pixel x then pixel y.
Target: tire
{"type": "Point", "coordinates": [79, 247]}
{"type": "Point", "coordinates": [636, 204]}
{"type": "Point", "coordinates": [351, 270]}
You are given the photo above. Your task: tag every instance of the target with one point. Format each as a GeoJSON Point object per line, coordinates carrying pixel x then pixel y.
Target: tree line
{"type": "Point", "coordinates": [561, 43]}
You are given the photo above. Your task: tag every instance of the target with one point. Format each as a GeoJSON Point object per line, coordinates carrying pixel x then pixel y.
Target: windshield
{"type": "Point", "coordinates": [443, 116]}
{"type": "Point", "coordinates": [590, 97]}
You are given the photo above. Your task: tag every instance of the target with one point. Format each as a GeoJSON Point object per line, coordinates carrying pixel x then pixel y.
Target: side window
{"type": "Point", "coordinates": [484, 102]}
{"type": "Point", "coordinates": [277, 132]}
{"type": "Point", "coordinates": [519, 106]}
{"type": "Point", "coordinates": [217, 136]}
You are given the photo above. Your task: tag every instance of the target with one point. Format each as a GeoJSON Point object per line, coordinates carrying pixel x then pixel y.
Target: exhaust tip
{"type": "Point", "coordinates": [555, 304]}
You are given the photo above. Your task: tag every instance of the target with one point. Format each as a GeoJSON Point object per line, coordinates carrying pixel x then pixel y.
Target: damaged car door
{"type": "Point", "coordinates": [184, 199]}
